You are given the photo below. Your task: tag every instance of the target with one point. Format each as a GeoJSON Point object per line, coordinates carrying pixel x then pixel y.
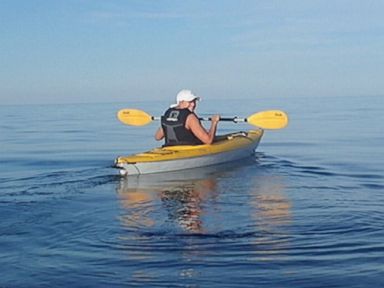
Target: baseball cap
{"type": "Point", "coordinates": [185, 95]}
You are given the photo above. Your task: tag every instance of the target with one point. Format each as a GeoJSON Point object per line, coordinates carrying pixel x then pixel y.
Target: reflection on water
{"type": "Point", "coordinates": [184, 205]}
{"type": "Point", "coordinates": [181, 194]}
{"type": "Point", "coordinates": [219, 201]}
{"type": "Point", "coordinates": [272, 214]}
{"type": "Point", "coordinates": [159, 212]}
{"type": "Point", "coordinates": [272, 208]}
{"type": "Point", "coordinates": [137, 201]}
{"type": "Point", "coordinates": [202, 219]}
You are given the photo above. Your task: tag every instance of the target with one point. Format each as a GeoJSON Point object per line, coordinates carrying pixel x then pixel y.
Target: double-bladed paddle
{"type": "Point", "coordinates": [270, 119]}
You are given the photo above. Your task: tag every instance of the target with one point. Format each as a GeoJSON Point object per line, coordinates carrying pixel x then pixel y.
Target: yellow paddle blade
{"type": "Point", "coordinates": [134, 117]}
{"type": "Point", "coordinates": [271, 119]}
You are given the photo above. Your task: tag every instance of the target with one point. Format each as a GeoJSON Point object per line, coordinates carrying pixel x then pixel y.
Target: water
{"type": "Point", "coordinates": [306, 211]}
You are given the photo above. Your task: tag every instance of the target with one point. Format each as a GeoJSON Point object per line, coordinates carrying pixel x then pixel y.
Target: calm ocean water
{"type": "Point", "coordinates": [306, 211]}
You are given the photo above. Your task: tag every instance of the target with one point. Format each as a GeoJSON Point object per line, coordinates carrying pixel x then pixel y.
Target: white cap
{"type": "Point", "coordinates": [185, 95]}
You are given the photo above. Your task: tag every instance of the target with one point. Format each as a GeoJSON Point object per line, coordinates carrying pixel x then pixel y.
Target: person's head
{"type": "Point", "coordinates": [186, 99]}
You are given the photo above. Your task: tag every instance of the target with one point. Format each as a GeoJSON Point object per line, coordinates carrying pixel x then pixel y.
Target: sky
{"type": "Point", "coordinates": [80, 51]}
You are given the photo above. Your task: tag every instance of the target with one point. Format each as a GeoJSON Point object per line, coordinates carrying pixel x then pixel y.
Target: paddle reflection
{"type": "Point", "coordinates": [272, 208]}
{"type": "Point", "coordinates": [272, 215]}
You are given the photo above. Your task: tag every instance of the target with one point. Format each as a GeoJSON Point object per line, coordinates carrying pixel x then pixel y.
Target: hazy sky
{"type": "Point", "coordinates": [110, 50]}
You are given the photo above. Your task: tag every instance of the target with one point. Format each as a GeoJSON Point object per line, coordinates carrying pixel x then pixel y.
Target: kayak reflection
{"type": "Point", "coordinates": [233, 213]}
{"type": "Point", "coordinates": [182, 194]}
{"type": "Point", "coordinates": [203, 201]}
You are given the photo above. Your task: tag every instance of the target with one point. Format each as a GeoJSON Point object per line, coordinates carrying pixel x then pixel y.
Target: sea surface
{"type": "Point", "coordinates": [307, 210]}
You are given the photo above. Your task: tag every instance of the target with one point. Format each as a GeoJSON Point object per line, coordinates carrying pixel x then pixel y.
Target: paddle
{"type": "Point", "coordinates": [270, 119]}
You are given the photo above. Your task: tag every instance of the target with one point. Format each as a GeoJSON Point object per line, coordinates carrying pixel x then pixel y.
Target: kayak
{"type": "Point", "coordinates": [226, 148]}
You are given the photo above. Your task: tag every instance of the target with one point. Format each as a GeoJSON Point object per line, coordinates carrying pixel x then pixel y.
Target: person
{"type": "Point", "coordinates": [181, 126]}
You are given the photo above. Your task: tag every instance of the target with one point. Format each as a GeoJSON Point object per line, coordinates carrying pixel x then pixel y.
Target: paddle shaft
{"type": "Point", "coordinates": [229, 119]}
{"type": "Point", "coordinates": [232, 119]}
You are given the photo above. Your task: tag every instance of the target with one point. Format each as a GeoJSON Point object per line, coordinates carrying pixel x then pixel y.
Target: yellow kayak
{"type": "Point", "coordinates": [226, 148]}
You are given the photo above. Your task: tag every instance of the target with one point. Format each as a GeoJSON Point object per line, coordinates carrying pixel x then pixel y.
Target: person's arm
{"type": "Point", "coordinates": [198, 130]}
{"type": "Point", "coordinates": [159, 134]}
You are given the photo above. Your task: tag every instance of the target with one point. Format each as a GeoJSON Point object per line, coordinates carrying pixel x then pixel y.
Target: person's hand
{"type": "Point", "coordinates": [215, 118]}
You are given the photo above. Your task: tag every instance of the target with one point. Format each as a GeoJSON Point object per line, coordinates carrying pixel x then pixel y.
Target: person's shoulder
{"type": "Point", "coordinates": [192, 117]}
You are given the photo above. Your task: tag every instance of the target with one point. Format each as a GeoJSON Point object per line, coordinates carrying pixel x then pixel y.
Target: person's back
{"type": "Point", "coordinates": [173, 124]}
{"type": "Point", "coordinates": [181, 126]}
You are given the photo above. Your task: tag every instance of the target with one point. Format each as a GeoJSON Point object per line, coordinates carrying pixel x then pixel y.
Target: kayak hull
{"type": "Point", "coordinates": [228, 148]}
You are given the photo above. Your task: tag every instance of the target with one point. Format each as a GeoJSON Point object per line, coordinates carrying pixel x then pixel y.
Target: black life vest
{"type": "Point", "coordinates": [173, 124]}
